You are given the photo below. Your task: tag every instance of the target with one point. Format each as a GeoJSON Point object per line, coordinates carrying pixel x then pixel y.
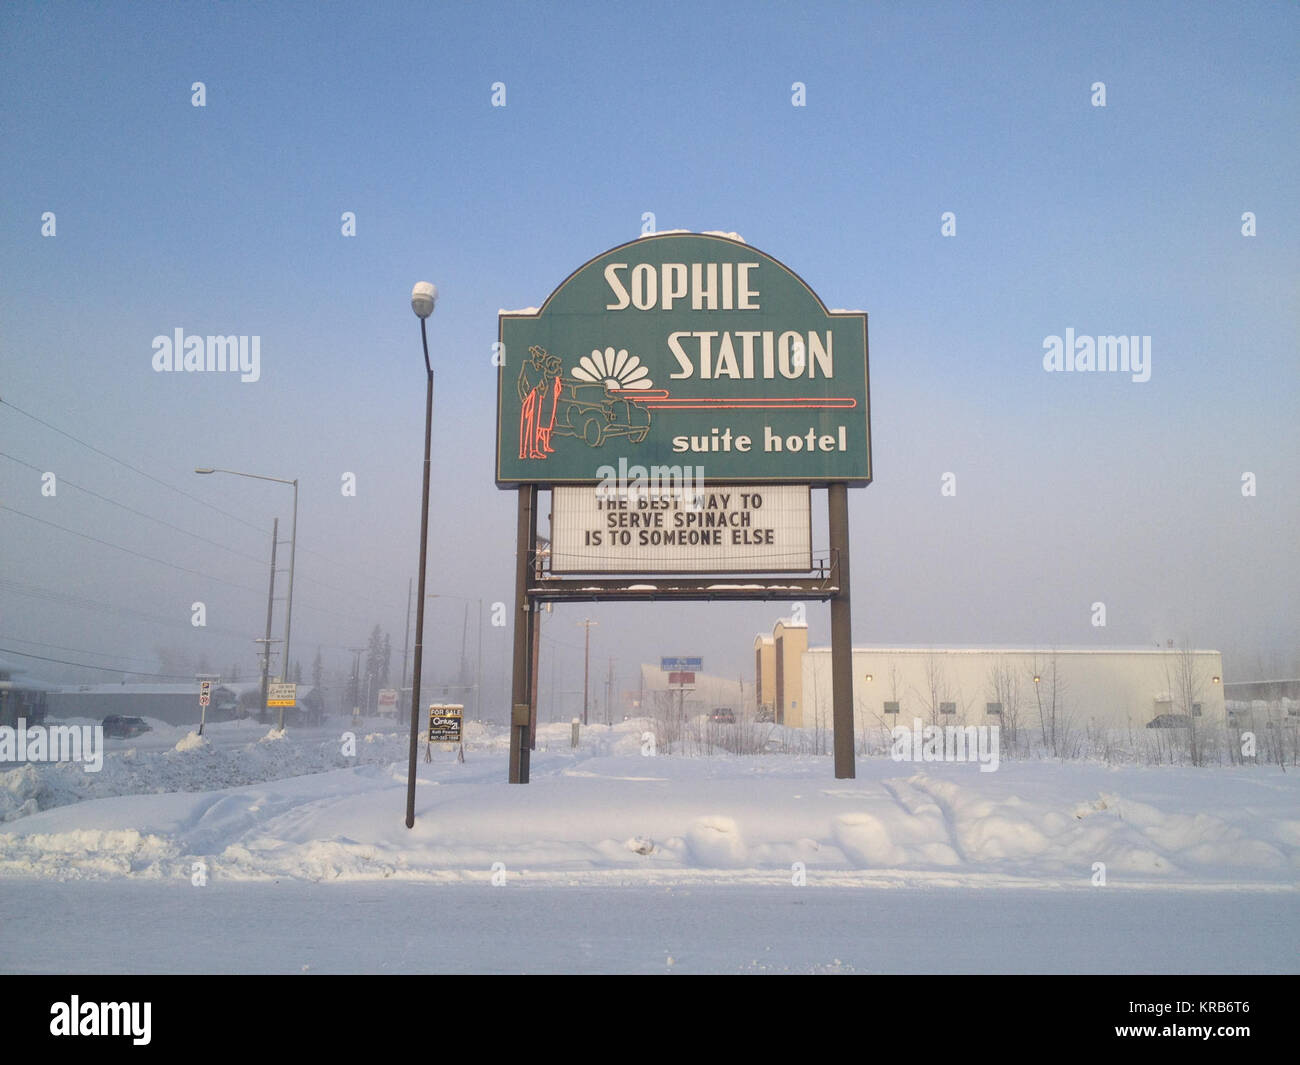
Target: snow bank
{"type": "Point", "coordinates": [192, 742]}
{"type": "Point", "coordinates": [297, 807]}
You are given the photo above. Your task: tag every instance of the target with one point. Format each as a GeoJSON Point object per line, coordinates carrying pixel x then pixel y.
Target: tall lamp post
{"type": "Point", "coordinates": [423, 297]}
{"type": "Point", "coordinates": [293, 549]}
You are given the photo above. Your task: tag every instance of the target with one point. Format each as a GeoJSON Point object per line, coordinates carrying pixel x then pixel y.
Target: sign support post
{"type": "Point", "coordinates": [206, 681]}
{"type": "Point", "coordinates": [522, 679]}
{"type": "Point", "coordinates": [841, 633]}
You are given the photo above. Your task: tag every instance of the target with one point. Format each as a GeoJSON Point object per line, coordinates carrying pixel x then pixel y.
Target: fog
{"type": "Point", "coordinates": [1171, 500]}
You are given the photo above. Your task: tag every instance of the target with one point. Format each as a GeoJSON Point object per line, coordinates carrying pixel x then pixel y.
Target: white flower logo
{"type": "Point", "coordinates": [613, 369]}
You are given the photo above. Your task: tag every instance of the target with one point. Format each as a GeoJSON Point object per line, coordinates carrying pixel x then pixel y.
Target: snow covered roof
{"type": "Point", "coordinates": [1012, 649]}
{"type": "Point", "coordinates": [703, 233]}
{"type": "Point", "coordinates": [192, 688]}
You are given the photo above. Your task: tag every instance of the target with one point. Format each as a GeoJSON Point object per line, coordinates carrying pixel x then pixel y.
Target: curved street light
{"type": "Point", "coordinates": [293, 546]}
{"type": "Point", "coordinates": [423, 297]}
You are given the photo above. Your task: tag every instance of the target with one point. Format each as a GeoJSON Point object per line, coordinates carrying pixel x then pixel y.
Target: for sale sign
{"type": "Point", "coordinates": [444, 722]}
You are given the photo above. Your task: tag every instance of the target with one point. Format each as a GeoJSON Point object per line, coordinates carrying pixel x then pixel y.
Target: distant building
{"type": "Point", "coordinates": [174, 704]}
{"type": "Point", "coordinates": [777, 670]}
{"type": "Point", "coordinates": [20, 697]}
{"type": "Point", "coordinates": [1247, 691]}
{"type": "Point", "coordinates": [1105, 687]}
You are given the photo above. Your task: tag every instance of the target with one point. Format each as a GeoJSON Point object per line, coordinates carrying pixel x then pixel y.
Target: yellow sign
{"type": "Point", "coordinates": [282, 695]}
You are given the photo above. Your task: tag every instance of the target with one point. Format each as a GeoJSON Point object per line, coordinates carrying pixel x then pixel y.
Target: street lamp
{"type": "Point", "coordinates": [423, 298]}
{"type": "Point", "coordinates": [293, 549]}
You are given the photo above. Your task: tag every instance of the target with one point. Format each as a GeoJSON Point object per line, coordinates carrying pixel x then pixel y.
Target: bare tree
{"type": "Point", "coordinates": [819, 728]}
{"type": "Point", "coordinates": [1050, 689]}
{"type": "Point", "coordinates": [1004, 688]}
{"type": "Point", "coordinates": [1186, 682]}
{"type": "Point", "coordinates": [936, 686]}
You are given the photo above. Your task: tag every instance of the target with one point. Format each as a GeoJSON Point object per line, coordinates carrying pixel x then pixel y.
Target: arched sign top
{"type": "Point", "coordinates": [683, 349]}
{"type": "Point", "coordinates": [745, 252]}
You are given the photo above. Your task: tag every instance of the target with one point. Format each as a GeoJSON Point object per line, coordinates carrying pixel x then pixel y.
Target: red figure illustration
{"type": "Point", "coordinates": [539, 393]}
{"type": "Point", "coordinates": [550, 394]}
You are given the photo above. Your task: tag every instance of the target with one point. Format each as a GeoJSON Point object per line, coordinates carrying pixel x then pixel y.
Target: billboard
{"type": "Point", "coordinates": [686, 662]}
{"type": "Point", "coordinates": [683, 349]}
{"type": "Point", "coordinates": [714, 529]}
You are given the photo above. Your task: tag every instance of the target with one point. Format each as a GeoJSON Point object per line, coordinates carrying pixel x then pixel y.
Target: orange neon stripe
{"type": "Point", "coordinates": [833, 403]}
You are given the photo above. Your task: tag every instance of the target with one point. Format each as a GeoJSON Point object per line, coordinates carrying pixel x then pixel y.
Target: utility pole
{"type": "Point", "coordinates": [478, 670]}
{"type": "Point", "coordinates": [356, 680]}
{"type": "Point", "coordinates": [270, 600]}
{"type": "Point", "coordinates": [609, 694]}
{"type": "Point", "coordinates": [586, 623]}
{"type": "Point", "coordinates": [406, 640]}
{"type": "Point", "coordinates": [463, 675]}
{"type": "Point", "coordinates": [534, 653]}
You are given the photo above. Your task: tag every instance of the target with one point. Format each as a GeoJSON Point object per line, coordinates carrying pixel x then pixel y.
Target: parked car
{"type": "Point", "coordinates": [723, 715]}
{"type": "Point", "coordinates": [1170, 721]}
{"type": "Point", "coordinates": [125, 727]}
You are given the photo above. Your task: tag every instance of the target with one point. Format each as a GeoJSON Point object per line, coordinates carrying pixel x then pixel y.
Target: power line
{"type": "Point", "coordinates": [127, 465]}
{"type": "Point", "coordinates": [204, 539]}
{"type": "Point", "coordinates": [344, 591]}
{"type": "Point", "coordinates": [78, 650]}
{"type": "Point", "coordinates": [79, 602]}
{"type": "Point", "coordinates": [346, 566]}
{"type": "Point", "coordinates": [106, 669]}
{"type": "Point", "coordinates": [127, 550]}
{"type": "Point", "coordinates": [197, 499]}
{"type": "Point", "coordinates": [132, 510]}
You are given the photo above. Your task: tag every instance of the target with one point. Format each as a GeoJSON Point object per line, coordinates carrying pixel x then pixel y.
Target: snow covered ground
{"type": "Point", "coordinates": [247, 854]}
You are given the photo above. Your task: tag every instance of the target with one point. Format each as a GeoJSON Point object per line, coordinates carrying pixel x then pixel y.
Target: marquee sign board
{"type": "Point", "coordinates": [683, 349]}
{"type": "Point", "coordinates": [712, 529]}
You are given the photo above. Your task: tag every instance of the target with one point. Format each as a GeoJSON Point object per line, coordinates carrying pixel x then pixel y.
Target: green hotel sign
{"type": "Point", "coordinates": [683, 349]}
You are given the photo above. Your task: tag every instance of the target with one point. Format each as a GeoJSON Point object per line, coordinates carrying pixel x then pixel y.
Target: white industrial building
{"type": "Point", "coordinates": [1104, 688]}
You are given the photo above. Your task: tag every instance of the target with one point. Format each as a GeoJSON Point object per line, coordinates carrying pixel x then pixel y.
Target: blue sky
{"type": "Point", "coordinates": [226, 219]}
